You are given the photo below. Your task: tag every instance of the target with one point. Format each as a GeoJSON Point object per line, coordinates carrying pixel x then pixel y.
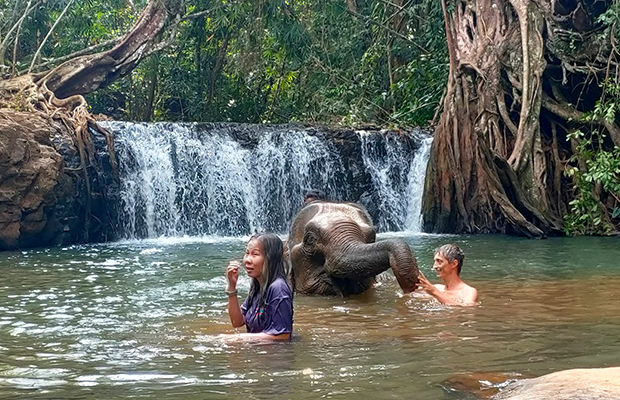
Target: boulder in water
{"type": "Point", "coordinates": [572, 384]}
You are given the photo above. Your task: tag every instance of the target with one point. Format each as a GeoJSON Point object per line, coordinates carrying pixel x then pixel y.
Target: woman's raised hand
{"type": "Point", "coordinates": [232, 274]}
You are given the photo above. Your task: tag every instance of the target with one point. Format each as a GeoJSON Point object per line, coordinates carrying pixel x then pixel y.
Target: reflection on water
{"type": "Point", "coordinates": [146, 318]}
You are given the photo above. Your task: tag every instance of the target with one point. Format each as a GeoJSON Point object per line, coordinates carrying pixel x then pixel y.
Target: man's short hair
{"type": "Point", "coordinates": [452, 252]}
{"type": "Point", "coordinates": [314, 193]}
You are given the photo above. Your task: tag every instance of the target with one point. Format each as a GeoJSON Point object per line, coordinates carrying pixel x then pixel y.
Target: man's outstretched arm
{"type": "Point", "coordinates": [445, 298]}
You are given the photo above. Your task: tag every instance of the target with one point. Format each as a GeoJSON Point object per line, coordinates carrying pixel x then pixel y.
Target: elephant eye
{"type": "Point", "coordinates": [310, 238]}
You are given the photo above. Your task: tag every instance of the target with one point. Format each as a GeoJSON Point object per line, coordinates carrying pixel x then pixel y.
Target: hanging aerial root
{"type": "Point", "coordinates": [568, 113]}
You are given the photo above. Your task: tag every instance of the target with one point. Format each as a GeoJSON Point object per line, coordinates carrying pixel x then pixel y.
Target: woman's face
{"type": "Point", "coordinates": [254, 259]}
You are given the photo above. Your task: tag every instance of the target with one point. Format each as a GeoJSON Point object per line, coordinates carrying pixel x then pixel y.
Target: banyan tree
{"type": "Point", "coordinates": [531, 85]}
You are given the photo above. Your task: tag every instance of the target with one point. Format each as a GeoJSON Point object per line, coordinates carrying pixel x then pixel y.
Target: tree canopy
{"type": "Point", "coordinates": [331, 61]}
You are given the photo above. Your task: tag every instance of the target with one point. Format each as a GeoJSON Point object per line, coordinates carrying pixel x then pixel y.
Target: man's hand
{"type": "Point", "coordinates": [425, 285]}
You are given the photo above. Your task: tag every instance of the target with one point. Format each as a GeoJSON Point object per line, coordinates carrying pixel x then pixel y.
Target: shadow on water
{"type": "Point", "coordinates": [145, 319]}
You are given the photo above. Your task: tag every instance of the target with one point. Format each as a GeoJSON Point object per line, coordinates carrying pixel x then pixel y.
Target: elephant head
{"type": "Point", "coordinates": [333, 251]}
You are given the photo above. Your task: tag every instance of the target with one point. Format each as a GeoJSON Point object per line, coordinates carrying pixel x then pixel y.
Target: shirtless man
{"type": "Point", "coordinates": [455, 292]}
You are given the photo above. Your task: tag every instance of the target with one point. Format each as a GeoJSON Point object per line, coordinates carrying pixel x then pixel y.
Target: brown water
{"type": "Point", "coordinates": [144, 320]}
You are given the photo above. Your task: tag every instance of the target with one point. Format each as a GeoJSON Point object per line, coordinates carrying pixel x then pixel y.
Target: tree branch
{"type": "Point", "coordinates": [84, 74]}
{"type": "Point", "coordinates": [5, 42]}
{"type": "Point", "coordinates": [204, 12]}
{"type": "Point", "coordinates": [570, 113]}
{"type": "Point", "coordinates": [36, 55]}
{"type": "Point", "coordinates": [169, 39]}
{"type": "Point", "coordinates": [503, 111]}
{"type": "Point", "coordinates": [16, 40]}
{"type": "Point", "coordinates": [399, 9]}
{"type": "Point", "coordinates": [132, 6]}
{"type": "Point", "coordinates": [82, 52]}
{"type": "Point", "coordinates": [388, 29]}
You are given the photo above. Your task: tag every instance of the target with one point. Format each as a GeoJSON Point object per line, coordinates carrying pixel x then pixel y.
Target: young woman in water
{"type": "Point", "coordinates": [267, 312]}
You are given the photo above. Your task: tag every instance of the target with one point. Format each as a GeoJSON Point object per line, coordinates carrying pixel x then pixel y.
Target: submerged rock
{"type": "Point", "coordinates": [483, 385]}
{"type": "Point", "coordinates": [572, 384]}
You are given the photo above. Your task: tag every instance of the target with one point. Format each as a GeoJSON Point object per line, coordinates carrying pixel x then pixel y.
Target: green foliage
{"type": "Point", "coordinates": [256, 61]}
{"type": "Point", "coordinates": [609, 19]}
{"type": "Point", "coordinates": [86, 23]}
{"type": "Point", "coordinates": [595, 208]}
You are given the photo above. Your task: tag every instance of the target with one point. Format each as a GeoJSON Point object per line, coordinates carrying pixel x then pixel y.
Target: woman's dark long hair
{"type": "Point", "coordinates": [274, 267]}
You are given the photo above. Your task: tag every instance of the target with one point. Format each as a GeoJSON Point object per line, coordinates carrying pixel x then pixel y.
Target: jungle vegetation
{"type": "Point", "coordinates": [260, 61]}
{"type": "Point", "coordinates": [523, 95]}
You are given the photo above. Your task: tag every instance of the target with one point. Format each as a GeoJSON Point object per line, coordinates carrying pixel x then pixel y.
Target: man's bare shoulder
{"type": "Point", "coordinates": [469, 293]}
{"type": "Point", "coordinates": [465, 294]}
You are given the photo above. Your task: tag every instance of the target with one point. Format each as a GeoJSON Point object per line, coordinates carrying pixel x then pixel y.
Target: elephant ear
{"type": "Point", "coordinates": [298, 226]}
{"type": "Point", "coordinates": [310, 238]}
{"type": "Point", "coordinates": [290, 273]}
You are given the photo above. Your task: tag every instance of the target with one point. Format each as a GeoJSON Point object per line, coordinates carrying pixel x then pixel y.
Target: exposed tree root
{"type": "Point", "coordinates": [72, 112]}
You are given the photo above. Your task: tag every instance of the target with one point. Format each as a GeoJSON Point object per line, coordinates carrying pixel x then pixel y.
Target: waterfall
{"type": "Point", "coordinates": [236, 179]}
{"type": "Point", "coordinates": [415, 186]}
{"type": "Point", "coordinates": [398, 179]}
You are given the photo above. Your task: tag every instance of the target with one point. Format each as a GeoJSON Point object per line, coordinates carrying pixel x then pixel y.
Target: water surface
{"type": "Point", "coordinates": [144, 319]}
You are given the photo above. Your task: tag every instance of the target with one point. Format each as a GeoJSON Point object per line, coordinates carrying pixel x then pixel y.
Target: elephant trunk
{"type": "Point", "coordinates": [366, 260]}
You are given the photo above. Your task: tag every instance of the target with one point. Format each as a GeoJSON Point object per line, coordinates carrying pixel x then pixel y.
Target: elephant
{"type": "Point", "coordinates": [332, 251]}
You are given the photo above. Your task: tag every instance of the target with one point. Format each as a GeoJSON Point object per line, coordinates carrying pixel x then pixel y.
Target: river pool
{"type": "Point", "coordinates": [144, 319]}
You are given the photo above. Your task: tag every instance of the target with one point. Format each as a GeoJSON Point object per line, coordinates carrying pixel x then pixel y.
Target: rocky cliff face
{"type": "Point", "coordinates": [43, 197]}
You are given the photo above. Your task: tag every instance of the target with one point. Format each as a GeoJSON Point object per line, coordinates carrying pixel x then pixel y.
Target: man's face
{"type": "Point", "coordinates": [442, 267]}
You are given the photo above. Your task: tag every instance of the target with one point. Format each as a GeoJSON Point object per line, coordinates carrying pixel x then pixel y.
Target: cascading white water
{"type": "Point", "coordinates": [398, 179]}
{"type": "Point", "coordinates": [415, 186]}
{"type": "Point", "coordinates": [192, 179]}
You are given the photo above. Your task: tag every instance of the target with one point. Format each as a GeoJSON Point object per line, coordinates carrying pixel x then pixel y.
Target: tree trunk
{"type": "Point", "coordinates": [149, 110]}
{"type": "Point", "coordinates": [219, 64]}
{"type": "Point", "coordinates": [493, 167]}
{"type": "Point", "coordinates": [352, 5]}
{"type": "Point", "coordinates": [199, 27]}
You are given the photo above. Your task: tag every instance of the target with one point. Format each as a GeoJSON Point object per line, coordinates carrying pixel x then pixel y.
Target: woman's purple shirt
{"type": "Point", "coordinates": [277, 315]}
